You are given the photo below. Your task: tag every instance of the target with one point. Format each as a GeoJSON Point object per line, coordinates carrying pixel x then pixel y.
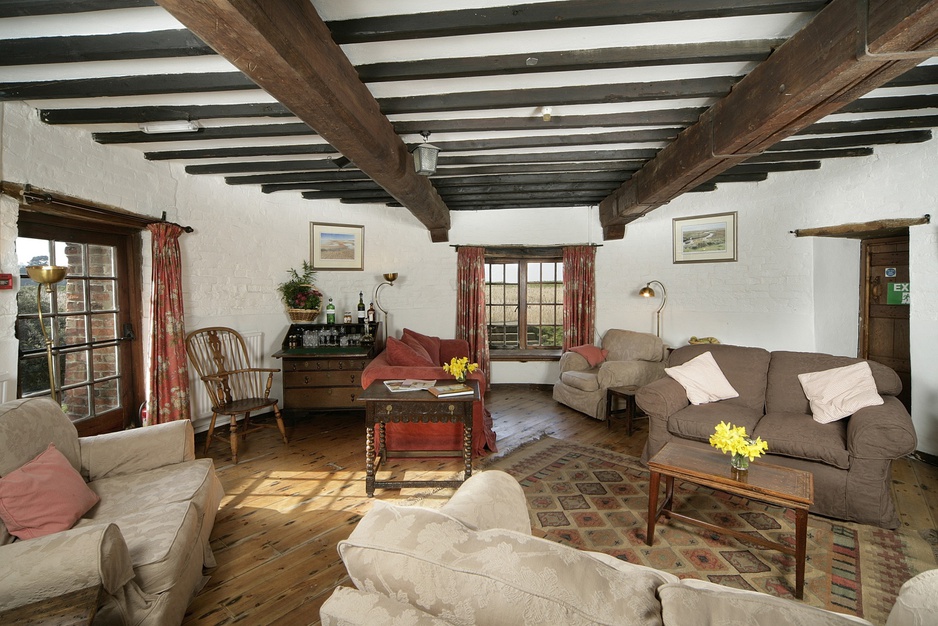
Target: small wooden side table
{"type": "Point", "coordinates": [630, 411]}
{"type": "Point", "coordinates": [383, 406]}
{"type": "Point", "coordinates": [773, 484]}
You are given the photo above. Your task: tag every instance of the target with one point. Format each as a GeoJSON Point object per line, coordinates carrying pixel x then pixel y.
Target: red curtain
{"type": "Point", "coordinates": [470, 305]}
{"type": "Point", "coordinates": [169, 369]}
{"type": "Point", "coordinates": [579, 295]}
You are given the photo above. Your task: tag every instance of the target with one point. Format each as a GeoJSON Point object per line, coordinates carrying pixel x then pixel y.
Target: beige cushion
{"type": "Point", "coordinates": [435, 563]}
{"type": "Point", "coordinates": [840, 392]}
{"type": "Point", "coordinates": [350, 606]}
{"type": "Point", "coordinates": [583, 380]}
{"type": "Point", "coordinates": [917, 604]}
{"type": "Point", "coordinates": [702, 379]}
{"type": "Point", "coordinates": [701, 603]}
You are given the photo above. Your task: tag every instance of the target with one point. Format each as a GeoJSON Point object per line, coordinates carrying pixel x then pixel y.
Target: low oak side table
{"type": "Point", "coordinates": [772, 484]}
{"type": "Point", "coordinates": [382, 406]}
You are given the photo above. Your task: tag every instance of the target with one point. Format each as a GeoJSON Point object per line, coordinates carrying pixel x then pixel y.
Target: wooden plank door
{"type": "Point", "coordinates": [884, 307]}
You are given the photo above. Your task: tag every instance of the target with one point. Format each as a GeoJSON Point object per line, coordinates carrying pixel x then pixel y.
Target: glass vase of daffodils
{"type": "Point", "coordinates": [734, 440]}
{"type": "Point", "coordinates": [460, 368]}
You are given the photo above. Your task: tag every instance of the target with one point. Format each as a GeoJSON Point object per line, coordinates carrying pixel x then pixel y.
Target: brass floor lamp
{"type": "Point", "coordinates": [389, 279]}
{"type": "Point", "coordinates": [46, 275]}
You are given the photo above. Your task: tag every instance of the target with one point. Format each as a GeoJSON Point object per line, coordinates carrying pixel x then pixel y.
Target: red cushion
{"type": "Point", "coordinates": [399, 353]}
{"type": "Point", "coordinates": [430, 344]}
{"type": "Point", "coordinates": [593, 355]}
{"type": "Point", "coordinates": [44, 496]}
{"type": "Point", "coordinates": [416, 347]}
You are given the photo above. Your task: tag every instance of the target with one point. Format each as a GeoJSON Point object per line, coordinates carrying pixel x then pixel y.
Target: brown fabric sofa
{"type": "Point", "coordinates": [851, 459]}
{"type": "Point", "coordinates": [144, 545]}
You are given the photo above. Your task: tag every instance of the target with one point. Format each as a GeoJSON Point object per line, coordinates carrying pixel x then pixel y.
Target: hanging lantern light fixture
{"type": "Point", "coordinates": [425, 156]}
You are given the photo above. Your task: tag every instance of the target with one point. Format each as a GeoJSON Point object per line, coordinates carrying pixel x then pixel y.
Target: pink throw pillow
{"type": "Point", "coordinates": [430, 344]}
{"type": "Point", "coordinates": [399, 353]}
{"type": "Point", "coordinates": [44, 496]}
{"type": "Point", "coordinates": [593, 355]}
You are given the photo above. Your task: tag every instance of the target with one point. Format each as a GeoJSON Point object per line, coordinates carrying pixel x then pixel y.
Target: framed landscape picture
{"type": "Point", "coordinates": [336, 246]}
{"type": "Point", "coordinates": [705, 239]}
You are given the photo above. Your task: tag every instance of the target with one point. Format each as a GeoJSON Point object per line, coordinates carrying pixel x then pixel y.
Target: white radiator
{"type": "Point", "coordinates": [199, 403]}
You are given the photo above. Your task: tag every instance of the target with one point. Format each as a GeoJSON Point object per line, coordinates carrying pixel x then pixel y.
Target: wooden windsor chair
{"type": "Point", "coordinates": [235, 388]}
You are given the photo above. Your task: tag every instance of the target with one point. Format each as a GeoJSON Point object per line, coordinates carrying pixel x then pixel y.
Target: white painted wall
{"type": "Point", "coordinates": [783, 293]}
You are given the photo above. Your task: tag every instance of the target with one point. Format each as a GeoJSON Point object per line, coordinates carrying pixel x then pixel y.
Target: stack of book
{"type": "Point", "coordinates": [451, 389]}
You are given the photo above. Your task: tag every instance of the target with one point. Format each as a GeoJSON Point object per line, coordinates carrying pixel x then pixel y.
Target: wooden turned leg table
{"type": "Point", "coordinates": [382, 406]}
{"type": "Point", "coordinates": [772, 484]}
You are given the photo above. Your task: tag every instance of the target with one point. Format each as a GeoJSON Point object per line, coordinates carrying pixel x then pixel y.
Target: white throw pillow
{"type": "Point", "coordinates": [702, 379]}
{"type": "Point", "coordinates": [840, 392]}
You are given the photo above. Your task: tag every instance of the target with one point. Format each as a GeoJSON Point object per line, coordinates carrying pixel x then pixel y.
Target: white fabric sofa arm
{"type": "Point", "coordinates": [136, 450]}
{"type": "Point", "coordinates": [573, 362]}
{"type": "Point", "coordinates": [351, 607]}
{"type": "Point", "coordinates": [917, 604]}
{"type": "Point", "coordinates": [490, 499]}
{"type": "Point", "coordinates": [51, 566]}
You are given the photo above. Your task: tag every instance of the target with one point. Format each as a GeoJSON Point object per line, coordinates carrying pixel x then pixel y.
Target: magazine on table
{"type": "Point", "coordinates": [409, 384]}
{"type": "Point", "coordinates": [451, 389]}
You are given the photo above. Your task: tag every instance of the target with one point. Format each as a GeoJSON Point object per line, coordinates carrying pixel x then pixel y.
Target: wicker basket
{"type": "Point", "coordinates": [303, 315]}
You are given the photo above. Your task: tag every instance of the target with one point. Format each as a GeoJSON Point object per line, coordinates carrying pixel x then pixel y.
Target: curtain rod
{"type": "Point", "coordinates": [522, 245]}
{"type": "Point", "coordinates": [27, 194]}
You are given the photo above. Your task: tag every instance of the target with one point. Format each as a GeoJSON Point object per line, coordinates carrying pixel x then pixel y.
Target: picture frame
{"type": "Point", "coordinates": [336, 246]}
{"type": "Point", "coordinates": [704, 238]}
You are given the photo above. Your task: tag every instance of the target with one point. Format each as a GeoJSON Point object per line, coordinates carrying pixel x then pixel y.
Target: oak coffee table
{"type": "Point", "coordinates": [772, 484]}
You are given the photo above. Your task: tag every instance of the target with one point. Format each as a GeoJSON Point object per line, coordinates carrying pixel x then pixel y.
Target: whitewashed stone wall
{"type": "Point", "coordinates": [783, 293]}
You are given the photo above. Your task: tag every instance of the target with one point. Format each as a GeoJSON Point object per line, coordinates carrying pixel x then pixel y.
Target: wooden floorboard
{"type": "Point", "coordinates": [287, 506]}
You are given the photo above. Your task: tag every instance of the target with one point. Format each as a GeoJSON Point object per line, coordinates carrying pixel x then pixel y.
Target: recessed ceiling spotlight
{"type": "Point", "coordinates": [530, 61]}
{"type": "Point", "coordinates": [546, 113]}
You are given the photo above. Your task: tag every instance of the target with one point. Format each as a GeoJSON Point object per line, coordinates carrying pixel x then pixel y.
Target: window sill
{"type": "Point", "coordinates": [525, 355]}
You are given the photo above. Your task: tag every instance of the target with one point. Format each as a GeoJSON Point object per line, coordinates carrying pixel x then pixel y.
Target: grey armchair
{"type": "Point", "coordinates": [634, 359]}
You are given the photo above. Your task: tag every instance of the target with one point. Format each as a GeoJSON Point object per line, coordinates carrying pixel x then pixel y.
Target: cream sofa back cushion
{"type": "Point", "coordinates": [434, 562]}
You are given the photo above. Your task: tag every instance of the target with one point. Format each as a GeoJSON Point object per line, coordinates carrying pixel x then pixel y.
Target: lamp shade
{"type": "Point", "coordinates": [425, 159]}
{"type": "Point", "coordinates": [647, 292]}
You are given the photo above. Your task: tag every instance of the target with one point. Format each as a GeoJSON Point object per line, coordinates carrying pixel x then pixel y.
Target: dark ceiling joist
{"type": "Point", "coordinates": [246, 151]}
{"type": "Point", "coordinates": [666, 117]}
{"type": "Point", "coordinates": [813, 74]}
{"type": "Point", "coordinates": [116, 47]}
{"type": "Point", "coordinates": [570, 60]}
{"type": "Point", "coordinates": [709, 87]}
{"type": "Point", "coordinates": [550, 15]}
{"type": "Point", "coordinates": [899, 103]}
{"type": "Point", "coordinates": [25, 8]}
{"type": "Point", "coordinates": [126, 86]}
{"type": "Point", "coordinates": [305, 165]}
{"type": "Point", "coordinates": [139, 114]}
{"type": "Point", "coordinates": [288, 129]}
{"type": "Point", "coordinates": [651, 135]}
{"type": "Point", "coordinates": [870, 125]}
{"type": "Point", "coordinates": [286, 49]}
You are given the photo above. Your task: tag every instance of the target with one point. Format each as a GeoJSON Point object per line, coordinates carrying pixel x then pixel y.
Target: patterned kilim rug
{"type": "Point", "coordinates": [595, 499]}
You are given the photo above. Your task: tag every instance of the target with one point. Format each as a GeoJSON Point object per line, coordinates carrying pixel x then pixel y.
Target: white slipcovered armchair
{"type": "Point", "coordinates": [634, 359]}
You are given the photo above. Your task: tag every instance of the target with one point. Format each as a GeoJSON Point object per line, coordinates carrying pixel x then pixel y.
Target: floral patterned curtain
{"type": "Point", "coordinates": [579, 295]}
{"type": "Point", "coordinates": [169, 369]}
{"type": "Point", "coordinates": [470, 305]}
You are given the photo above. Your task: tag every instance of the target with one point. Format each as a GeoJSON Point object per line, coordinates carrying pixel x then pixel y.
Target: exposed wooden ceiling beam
{"type": "Point", "coordinates": [813, 74]}
{"type": "Point", "coordinates": [286, 48]}
{"type": "Point", "coordinates": [550, 15]}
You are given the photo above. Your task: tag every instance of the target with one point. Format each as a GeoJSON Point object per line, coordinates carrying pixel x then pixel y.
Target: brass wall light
{"type": "Point", "coordinates": [648, 292]}
{"type": "Point", "coordinates": [425, 156]}
{"type": "Point", "coordinates": [46, 275]}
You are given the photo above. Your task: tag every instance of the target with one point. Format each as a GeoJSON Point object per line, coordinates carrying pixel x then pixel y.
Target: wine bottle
{"type": "Point", "coordinates": [361, 308]}
{"type": "Point", "coordinates": [330, 312]}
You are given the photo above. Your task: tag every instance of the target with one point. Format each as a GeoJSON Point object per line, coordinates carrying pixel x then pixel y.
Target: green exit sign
{"type": "Point", "coordinates": [897, 293]}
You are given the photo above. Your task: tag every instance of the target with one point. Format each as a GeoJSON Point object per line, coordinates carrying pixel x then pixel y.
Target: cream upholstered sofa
{"type": "Point", "coordinates": [851, 459]}
{"type": "Point", "coordinates": [633, 359]}
{"type": "Point", "coordinates": [144, 544]}
{"type": "Point", "coordinates": [475, 562]}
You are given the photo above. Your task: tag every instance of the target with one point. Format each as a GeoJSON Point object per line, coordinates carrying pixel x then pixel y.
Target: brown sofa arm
{"type": "Point", "coordinates": [881, 432]}
{"type": "Point", "coordinates": [661, 399]}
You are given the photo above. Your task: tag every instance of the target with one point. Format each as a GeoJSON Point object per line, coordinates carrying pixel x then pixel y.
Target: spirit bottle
{"type": "Point", "coordinates": [371, 313]}
{"type": "Point", "coordinates": [361, 308]}
{"type": "Point", "coordinates": [330, 312]}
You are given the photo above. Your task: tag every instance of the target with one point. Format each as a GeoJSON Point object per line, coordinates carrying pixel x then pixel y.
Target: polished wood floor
{"type": "Point", "coordinates": [287, 506]}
